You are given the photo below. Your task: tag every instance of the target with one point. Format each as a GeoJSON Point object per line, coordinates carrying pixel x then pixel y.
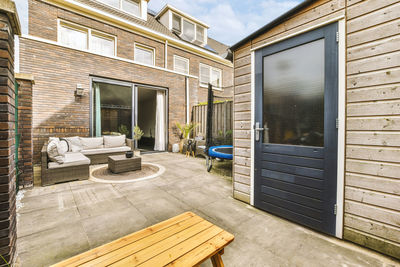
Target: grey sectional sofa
{"type": "Point", "coordinates": [76, 162]}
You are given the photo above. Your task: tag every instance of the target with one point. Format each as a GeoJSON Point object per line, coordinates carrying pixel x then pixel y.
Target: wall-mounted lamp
{"type": "Point", "coordinates": [79, 90]}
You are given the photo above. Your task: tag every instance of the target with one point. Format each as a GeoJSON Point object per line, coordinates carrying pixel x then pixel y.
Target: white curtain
{"type": "Point", "coordinates": [97, 109]}
{"type": "Point", "coordinates": [160, 122]}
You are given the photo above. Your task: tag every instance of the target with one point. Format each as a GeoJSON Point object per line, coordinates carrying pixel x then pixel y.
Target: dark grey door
{"type": "Point", "coordinates": [296, 135]}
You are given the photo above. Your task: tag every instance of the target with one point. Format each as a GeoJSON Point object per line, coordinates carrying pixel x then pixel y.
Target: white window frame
{"type": "Point", "coordinates": [184, 59]}
{"type": "Point", "coordinates": [126, 12]}
{"type": "Point", "coordinates": [210, 69]}
{"type": "Point", "coordinates": [195, 27]}
{"type": "Point", "coordinates": [72, 25]}
{"type": "Point", "coordinates": [144, 47]}
{"type": "Point", "coordinates": [204, 32]}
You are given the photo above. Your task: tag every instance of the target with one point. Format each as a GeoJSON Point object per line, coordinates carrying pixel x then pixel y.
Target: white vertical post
{"type": "Point", "coordinates": [187, 100]}
{"type": "Point", "coordinates": [253, 73]}
{"type": "Point", "coordinates": [341, 128]}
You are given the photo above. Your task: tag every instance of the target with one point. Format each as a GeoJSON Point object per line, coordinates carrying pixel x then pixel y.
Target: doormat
{"type": "Point", "coordinates": [102, 174]}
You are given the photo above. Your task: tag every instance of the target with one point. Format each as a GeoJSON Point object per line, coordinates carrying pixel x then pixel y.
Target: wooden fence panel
{"type": "Point", "coordinates": [222, 118]}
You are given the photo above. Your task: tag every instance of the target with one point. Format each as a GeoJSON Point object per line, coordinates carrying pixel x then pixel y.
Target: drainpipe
{"type": "Point", "coordinates": [187, 100]}
{"type": "Point", "coordinates": [166, 55]}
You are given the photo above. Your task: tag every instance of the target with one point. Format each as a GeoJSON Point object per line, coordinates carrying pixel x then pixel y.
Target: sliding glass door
{"type": "Point", "coordinates": [113, 109]}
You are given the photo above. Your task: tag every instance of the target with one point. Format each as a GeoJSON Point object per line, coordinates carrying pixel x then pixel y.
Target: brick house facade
{"type": "Point", "coordinates": [57, 69]}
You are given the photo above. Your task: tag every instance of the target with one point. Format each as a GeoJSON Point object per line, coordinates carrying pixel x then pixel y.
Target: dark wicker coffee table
{"type": "Point", "coordinates": [120, 163]}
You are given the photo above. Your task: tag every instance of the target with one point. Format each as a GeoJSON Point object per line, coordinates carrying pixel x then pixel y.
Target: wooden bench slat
{"type": "Point", "coordinates": [177, 251]}
{"type": "Point", "coordinates": [151, 240]}
{"type": "Point", "coordinates": [114, 245]}
{"type": "Point", "coordinates": [204, 251]}
{"type": "Point", "coordinates": [153, 254]}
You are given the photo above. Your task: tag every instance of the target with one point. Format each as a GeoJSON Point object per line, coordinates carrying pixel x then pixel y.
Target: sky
{"type": "Point", "coordinates": [230, 20]}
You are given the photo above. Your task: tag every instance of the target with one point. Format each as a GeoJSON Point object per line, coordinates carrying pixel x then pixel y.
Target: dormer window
{"type": "Point", "coordinates": [129, 6]}
{"type": "Point", "coordinates": [187, 27]}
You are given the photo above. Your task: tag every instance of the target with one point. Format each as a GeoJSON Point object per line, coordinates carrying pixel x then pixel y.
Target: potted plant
{"type": "Point", "coordinates": [137, 135]}
{"type": "Point", "coordinates": [186, 130]}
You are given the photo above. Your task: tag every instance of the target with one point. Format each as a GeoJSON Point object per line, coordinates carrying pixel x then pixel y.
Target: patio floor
{"type": "Point", "coordinates": [60, 221]}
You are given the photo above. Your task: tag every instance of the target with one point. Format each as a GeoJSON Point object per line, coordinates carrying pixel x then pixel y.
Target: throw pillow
{"type": "Point", "coordinates": [52, 152]}
{"type": "Point", "coordinates": [74, 144]}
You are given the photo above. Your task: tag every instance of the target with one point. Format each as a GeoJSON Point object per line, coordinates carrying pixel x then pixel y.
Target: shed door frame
{"type": "Point", "coordinates": [341, 114]}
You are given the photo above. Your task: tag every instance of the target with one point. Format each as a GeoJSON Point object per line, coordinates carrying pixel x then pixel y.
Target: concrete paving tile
{"type": "Point", "coordinates": [108, 206]}
{"type": "Point", "coordinates": [227, 212]}
{"type": "Point", "coordinates": [90, 195]}
{"type": "Point", "coordinates": [45, 219]}
{"type": "Point", "coordinates": [113, 225]}
{"type": "Point", "coordinates": [200, 196]}
{"type": "Point", "coordinates": [45, 190]}
{"type": "Point", "coordinates": [141, 195]}
{"type": "Point", "coordinates": [161, 208]}
{"type": "Point", "coordinates": [61, 201]}
{"type": "Point", "coordinates": [53, 245]}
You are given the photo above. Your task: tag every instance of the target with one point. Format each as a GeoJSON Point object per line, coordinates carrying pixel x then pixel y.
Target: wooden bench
{"type": "Point", "coordinates": [185, 240]}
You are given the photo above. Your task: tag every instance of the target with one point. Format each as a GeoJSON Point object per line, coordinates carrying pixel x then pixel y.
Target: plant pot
{"type": "Point", "coordinates": [129, 154]}
{"type": "Point", "coordinates": [181, 143]}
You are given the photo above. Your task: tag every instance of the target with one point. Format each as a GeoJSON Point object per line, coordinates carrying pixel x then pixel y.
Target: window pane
{"type": "Point", "coordinates": [114, 3]}
{"type": "Point", "coordinates": [216, 77]}
{"type": "Point", "coordinates": [144, 55]}
{"type": "Point", "coordinates": [181, 65]}
{"type": "Point", "coordinates": [73, 37]}
{"type": "Point", "coordinates": [131, 7]}
{"type": "Point", "coordinates": [204, 74]}
{"type": "Point", "coordinates": [294, 96]}
{"type": "Point", "coordinates": [188, 30]}
{"type": "Point", "coordinates": [102, 45]}
{"type": "Point", "coordinates": [176, 23]}
{"type": "Point", "coordinates": [199, 33]}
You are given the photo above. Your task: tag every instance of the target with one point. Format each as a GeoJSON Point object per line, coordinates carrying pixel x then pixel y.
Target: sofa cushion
{"type": "Point", "coordinates": [71, 159]}
{"type": "Point", "coordinates": [74, 144]}
{"type": "Point", "coordinates": [114, 141]}
{"type": "Point", "coordinates": [105, 150]}
{"type": "Point", "coordinates": [91, 142]}
{"type": "Point", "coordinates": [53, 151]}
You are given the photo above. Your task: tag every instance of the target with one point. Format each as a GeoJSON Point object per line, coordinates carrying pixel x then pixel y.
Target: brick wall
{"type": "Point", "coordinates": [25, 151]}
{"type": "Point", "coordinates": [7, 133]}
{"type": "Point", "coordinates": [57, 70]}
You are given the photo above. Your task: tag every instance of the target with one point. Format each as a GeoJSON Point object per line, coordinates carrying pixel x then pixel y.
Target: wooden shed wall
{"type": "Point", "coordinates": [372, 171]}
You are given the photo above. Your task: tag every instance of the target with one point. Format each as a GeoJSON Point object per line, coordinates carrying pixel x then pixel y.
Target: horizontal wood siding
{"type": "Point", "coordinates": [372, 164]}
{"type": "Point", "coordinates": [372, 184]}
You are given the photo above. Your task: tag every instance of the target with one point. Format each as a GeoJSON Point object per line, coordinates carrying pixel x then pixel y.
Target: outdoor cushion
{"type": "Point", "coordinates": [63, 147]}
{"type": "Point", "coordinates": [114, 141]}
{"type": "Point", "coordinates": [74, 143]}
{"type": "Point", "coordinates": [105, 150]}
{"type": "Point", "coordinates": [71, 159]}
{"type": "Point", "coordinates": [53, 151]}
{"type": "Point", "coordinates": [91, 142]}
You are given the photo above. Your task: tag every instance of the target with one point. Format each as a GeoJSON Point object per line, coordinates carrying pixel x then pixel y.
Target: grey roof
{"type": "Point", "coordinates": [273, 23]}
{"type": "Point", "coordinates": [153, 24]}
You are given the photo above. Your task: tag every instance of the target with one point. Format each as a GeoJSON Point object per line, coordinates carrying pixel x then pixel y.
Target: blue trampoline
{"type": "Point", "coordinates": [221, 152]}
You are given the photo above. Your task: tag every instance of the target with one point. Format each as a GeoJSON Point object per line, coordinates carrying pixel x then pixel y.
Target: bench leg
{"type": "Point", "coordinates": [217, 260]}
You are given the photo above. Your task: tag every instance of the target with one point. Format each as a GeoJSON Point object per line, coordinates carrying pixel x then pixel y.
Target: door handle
{"type": "Point", "coordinates": [257, 130]}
